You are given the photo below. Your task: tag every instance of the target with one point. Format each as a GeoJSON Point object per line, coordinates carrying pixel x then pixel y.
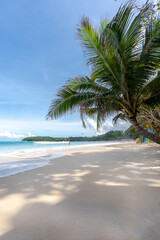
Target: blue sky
{"type": "Point", "coordinates": [38, 53]}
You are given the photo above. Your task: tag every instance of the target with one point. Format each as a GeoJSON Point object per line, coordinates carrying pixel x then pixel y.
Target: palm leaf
{"type": "Point", "coordinates": [86, 84]}
{"type": "Point", "coordinates": [124, 34]}
{"type": "Point", "coordinates": [121, 116]}
{"type": "Point", "coordinates": [151, 88]}
{"type": "Point", "coordinates": [68, 100]}
{"type": "Point", "coordinates": [152, 101]}
{"type": "Point", "coordinates": [100, 61]}
{"type": "Point", "coordinates": [150, 57]}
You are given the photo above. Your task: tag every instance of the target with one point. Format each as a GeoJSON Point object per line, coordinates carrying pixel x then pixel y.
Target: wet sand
{"type": "Point", "coordinates": [105, 194]}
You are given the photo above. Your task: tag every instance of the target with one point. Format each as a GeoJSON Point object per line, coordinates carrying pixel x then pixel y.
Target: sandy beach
{"type": "Point", "coordinates": [112, 193]}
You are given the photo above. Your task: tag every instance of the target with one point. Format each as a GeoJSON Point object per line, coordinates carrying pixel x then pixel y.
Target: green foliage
{"type": "Point", "coordinates": [131, 133]}
{"type": "Point", "coordinates": [43, 139]}
{"type": "Point", "coordinates": [111, 135]}
{"type": "Point", "coordinates": [150, 118]}
{"type": "Point", "coordinates": [123, 57]}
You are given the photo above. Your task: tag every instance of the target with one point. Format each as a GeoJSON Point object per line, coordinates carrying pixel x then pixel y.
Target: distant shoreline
{"type": "Point", "coordinates": [109, 136]}
{"type": "Point", "coordinates": [24, 156]}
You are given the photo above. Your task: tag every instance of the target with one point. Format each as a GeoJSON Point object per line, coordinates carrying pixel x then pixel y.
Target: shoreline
{"type": "Point", "coordinates": [109, 193]}
{"type": "Point", "coordinates": [28, 159]}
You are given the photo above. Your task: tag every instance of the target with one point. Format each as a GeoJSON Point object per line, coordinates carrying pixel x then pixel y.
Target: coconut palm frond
{"type": "Point", "coordinates": [153, 101]}
{"type": "Point", "coordinates": [125, 35]}
{"type": "Point", "coordinates": [150, 56]}
{"type": "Point", "coordinates": [114, 32]}
{"type": "Point", "coordinates": [152, 87]}
{"type": "Point", "coordinates": [86, 84]}
{"type": "Point", "coordinates": [102, 62]}
{"type": "Point", "coordinates": [102, 27]}
{"type": "Point", "coordinates": [120, 116]}
{"type": "Point", "coordinates": [68, 100]}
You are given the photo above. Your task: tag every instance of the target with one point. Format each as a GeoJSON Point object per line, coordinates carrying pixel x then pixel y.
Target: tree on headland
{"type": "Point", "coordinates": [124, 58]}
{"type": "Point", "coordinates": [111, 135]}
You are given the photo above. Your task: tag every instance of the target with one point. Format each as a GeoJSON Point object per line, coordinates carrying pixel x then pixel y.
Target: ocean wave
{"type": "Point", "coordinates": [51, 142]}
{"type": "Point", "coordinates": [14, 167]}
{"type": "Point", "coordinates": [20, 160]}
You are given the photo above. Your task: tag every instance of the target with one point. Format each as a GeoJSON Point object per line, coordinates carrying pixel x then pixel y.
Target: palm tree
{"type": "Point", "coordinates": [150, 118]}
{"type": "Point", "coordinates": [123, 57]}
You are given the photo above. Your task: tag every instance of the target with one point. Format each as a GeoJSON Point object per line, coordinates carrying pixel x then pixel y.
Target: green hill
{"type": "Point", "coordinates": [43, 139]}
{"type": "Point", "coordinates": [111, 135]}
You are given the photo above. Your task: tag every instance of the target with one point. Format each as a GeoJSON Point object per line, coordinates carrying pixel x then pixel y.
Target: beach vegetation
{"type": "Point", "coordinates": [43, 139]}
{"type": "Point", "coordinates": [130, 133]}
{"type": "Point", "coordinates": [123, 56]}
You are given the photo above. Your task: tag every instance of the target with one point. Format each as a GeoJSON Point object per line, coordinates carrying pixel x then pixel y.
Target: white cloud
{"type": "Point", "coordinates": [91, 123]}
{"type": "Point", "coordinates": [18, 129]}
{"type": "Point", "coordinates": [11, 135]}
{"type": "Point", "coordinates": [22, 128]}
{"type": "Point", "coordinates": [30, 135]}
{"type": "Point", "coordinates": [107, 126]}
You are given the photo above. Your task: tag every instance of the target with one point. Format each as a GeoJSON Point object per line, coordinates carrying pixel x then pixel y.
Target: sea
{"type": "Point", "coordinates": [21, 156]}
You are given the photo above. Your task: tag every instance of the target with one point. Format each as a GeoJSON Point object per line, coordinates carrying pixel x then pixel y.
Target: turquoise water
{"type": "Point", "coordinates": [18, 157]}
{"type": "Point", "coordinates": [8, 146]}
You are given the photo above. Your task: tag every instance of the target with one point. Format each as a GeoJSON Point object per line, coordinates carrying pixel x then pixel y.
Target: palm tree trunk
{"type": "Point", "coordinates": [153, 137]}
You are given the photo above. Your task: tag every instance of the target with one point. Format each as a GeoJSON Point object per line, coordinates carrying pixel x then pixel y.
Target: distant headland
{"type": "Point", "coordinates": [111, 135]}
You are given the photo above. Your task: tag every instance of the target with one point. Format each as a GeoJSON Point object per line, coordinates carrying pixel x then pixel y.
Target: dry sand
{"type": "Point", "coordinates": [109, 194]}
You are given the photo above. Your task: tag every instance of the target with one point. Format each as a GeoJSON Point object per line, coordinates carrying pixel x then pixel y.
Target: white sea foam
{"type": "Point", "coordinates": [51, 142]}
{"type": "Point", "coordinates": [15, 161]}
{"type": "Point", "coordinates": [11, 168]}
